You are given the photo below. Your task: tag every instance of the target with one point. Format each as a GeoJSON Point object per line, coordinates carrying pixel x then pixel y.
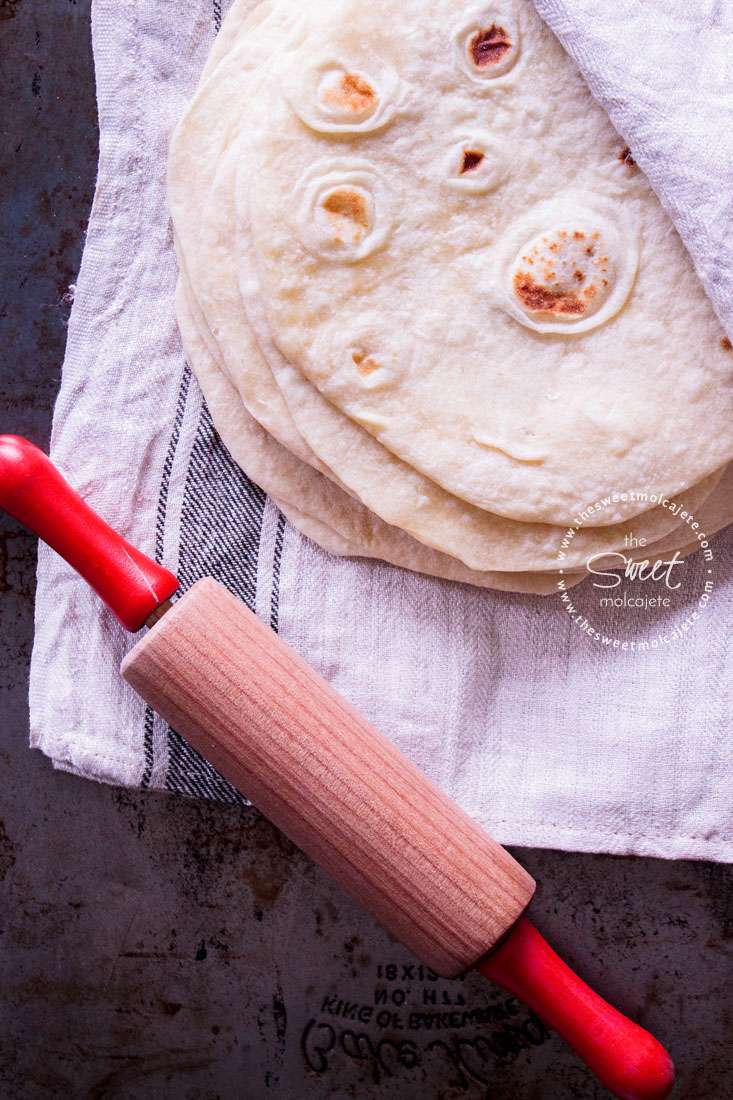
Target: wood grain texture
{"type": "Point", "coordinates": [328, 779]}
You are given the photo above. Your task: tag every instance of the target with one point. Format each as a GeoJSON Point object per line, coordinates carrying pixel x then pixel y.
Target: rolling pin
{"type": "Point", "coordinates": [328, 779]}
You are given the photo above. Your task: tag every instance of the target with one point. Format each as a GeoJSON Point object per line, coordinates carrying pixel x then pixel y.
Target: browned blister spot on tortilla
{"type": "Point", "coordinates": [726, 344]}
{"type": "Point", "coordinates": [539, 298]}
{"type": "Point", "coordinates": [489, 46]}
{"type": "Point", "coordinates": [365, 364]}
{"type": "Point", "coordinates": [471, 161]}
{"type": "Point", "coordinates": [350, 205]}
{"type": "Point", "coordinates": [626, 158]}
{"type": "Point", "coordinates": [352, 93]}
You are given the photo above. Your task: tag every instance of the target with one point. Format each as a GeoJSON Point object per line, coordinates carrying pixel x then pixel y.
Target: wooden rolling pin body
{"type": "Point", "coordinates": [324, 775]}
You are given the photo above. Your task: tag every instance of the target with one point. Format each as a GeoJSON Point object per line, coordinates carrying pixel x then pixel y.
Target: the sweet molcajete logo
{"type": "Point", "coordinates": [644, 593]}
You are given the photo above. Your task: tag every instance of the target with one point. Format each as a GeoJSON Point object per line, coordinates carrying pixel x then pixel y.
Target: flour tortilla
{"type": "Point", "coordinates": [528, 424]}
{"type": "Point", "coordinates": [200, 154]}
{"type": "Point", "coordinates": [295, 486]}
{"type": "Point", "coordinates": [484, 542]}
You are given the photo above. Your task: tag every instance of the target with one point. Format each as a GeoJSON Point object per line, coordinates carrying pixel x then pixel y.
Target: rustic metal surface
{"type": "Point", "coordinates": [153, 948]}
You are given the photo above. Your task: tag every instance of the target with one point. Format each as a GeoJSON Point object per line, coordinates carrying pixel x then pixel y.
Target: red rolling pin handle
{"type": "Point", "coordinates": [625, 1058]}
{"type": "Point", "coordinates": [34, 492]}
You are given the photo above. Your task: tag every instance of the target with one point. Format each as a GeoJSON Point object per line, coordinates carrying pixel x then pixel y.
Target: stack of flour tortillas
{"type": "Point", "coordinates": [434, 307]}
